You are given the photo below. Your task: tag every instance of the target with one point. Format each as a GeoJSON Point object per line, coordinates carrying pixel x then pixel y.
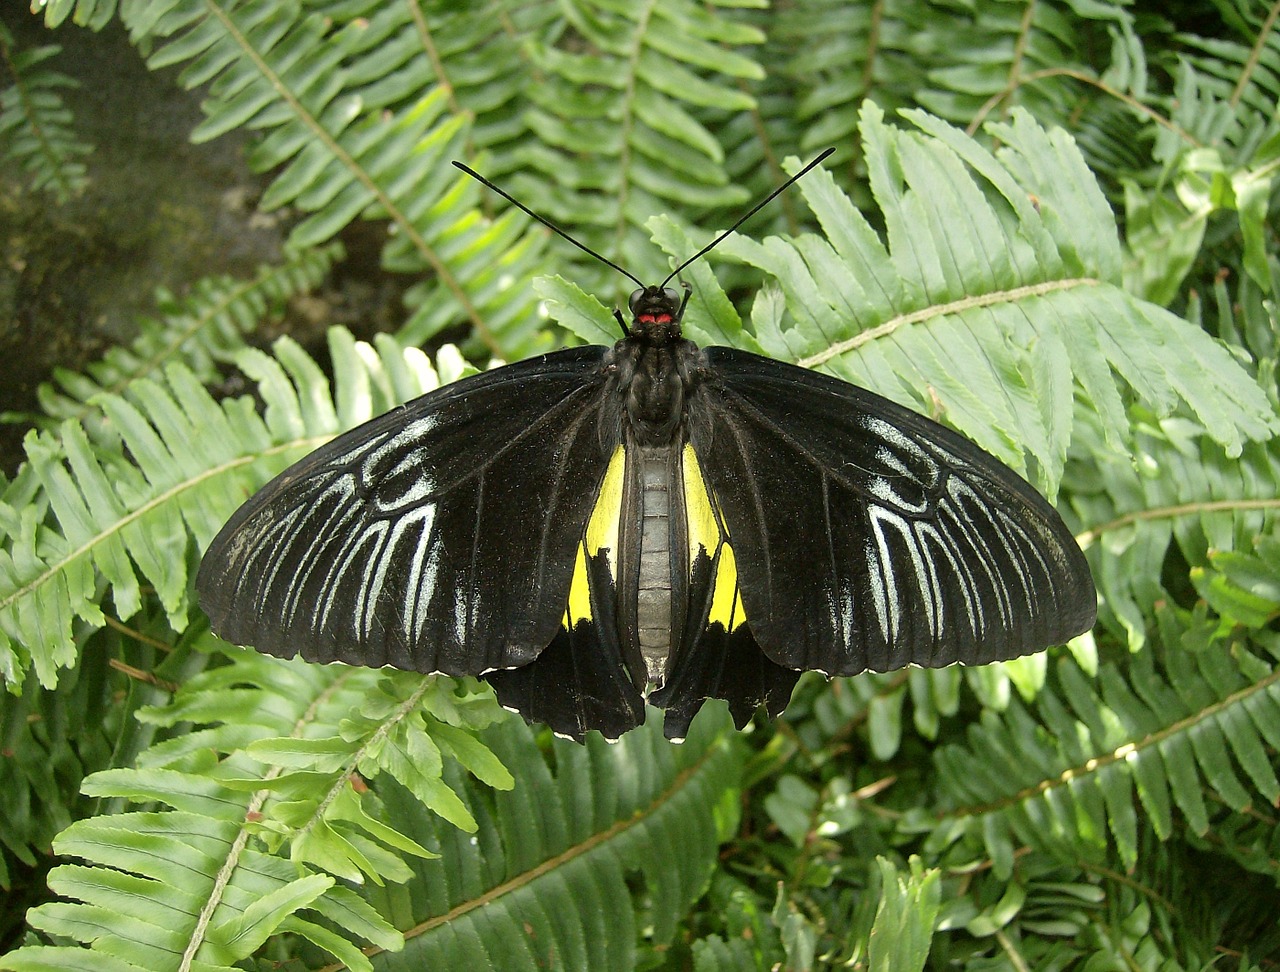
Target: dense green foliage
{"type": "Point", "coordinates": [1046, 223]}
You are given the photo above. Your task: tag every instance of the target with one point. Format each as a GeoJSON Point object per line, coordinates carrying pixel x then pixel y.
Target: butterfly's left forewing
{"type": "Point", "coordinates": [439, 537]}
{"type": "Point", "coordinates": [868, 537]}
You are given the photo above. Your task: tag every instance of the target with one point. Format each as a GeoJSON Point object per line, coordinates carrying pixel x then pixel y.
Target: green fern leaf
{"type": "Point", "coordinates": [617, 115]}
{"type": "Point", "coordinates": [714, 954]}
{"type": "Point", "coordinates": [608, 845]}
{"type": "Point", "coordinates": [899, 939]}
{"type": "Point", "coordinates": [981, 301]}
{"type": "Point", "coordinates": [94, 14]}
{"type": "Point", "coordinates": [472, 52]}
{"type": "Point", "coordinates": [1183, 491]}
{"type": "Point", "coordinates": [196, 885]}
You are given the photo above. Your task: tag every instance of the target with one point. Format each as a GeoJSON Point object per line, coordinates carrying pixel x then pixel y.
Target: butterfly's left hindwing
{"type": "Point", "coordinates": [580, 681]}
{"type": "Point", "coordinates": [438, 537]}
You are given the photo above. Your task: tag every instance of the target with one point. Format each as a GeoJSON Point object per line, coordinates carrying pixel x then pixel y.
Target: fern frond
{"type": "Point", "coordinates": [36, 131]}
{"type": "Point", "coordinates": [125, 522]}
{"type": "Point", "coordinates": [273, 68]}
{"type": "Point", "coordinates": [601, 848]}
{"type": "Point", "coordinates": [196, 885]}
{"type": "Point", "coordinates": [1242, 72]}
{"type": "Point", "coordinates": [1071, 777]}
{"type": "Point", "coordinates": [837, 56]}
{"type": "Point", "coordinates": [200, 330]}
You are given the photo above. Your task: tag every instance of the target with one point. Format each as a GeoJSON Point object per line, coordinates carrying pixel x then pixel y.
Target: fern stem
{"type": "Point", "coordinates": [1129, 882]}
{"type": "Point", "coordinates": [1089, 536]}
{"type": "Point", "coordinates": [1255, 54]}
{"type": "Point", "coordinates": [343, 779]}
{"type": "Point", "coordinates": [198, 323]}
{"type": "Point", "coordinates": [1011, 950]}
{"type": "Point", "coordinates": [1102, 86]}
{"type": "Point", "coordinates": [1020, 47]}
{"type": "Point", "coordinates": [138, 675]}
{"type": "Point", "coordinates": [941, 310]}
{"type": "Point", "coordinates": [628, 124]}
{"type": "Point", "coordinates": [242, 837]}
{"type": "Point", "coordinates": [137, 635]}
{"type": "Point", "coordinates": [30, 113]}
{"type": "Point", "coordinates": [433, 54]}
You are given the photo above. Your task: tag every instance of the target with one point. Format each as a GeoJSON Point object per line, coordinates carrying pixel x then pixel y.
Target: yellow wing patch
{"type": "Point", "coordinates": [601, 534]}
{"type": "Point", "coordinates": [602, 527]}
{"type": "Point", "coordinates": [706, 533]}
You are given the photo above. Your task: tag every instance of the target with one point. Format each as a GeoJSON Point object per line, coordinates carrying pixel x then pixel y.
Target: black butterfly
{"type": "Point", "coordinates": [600, 526]}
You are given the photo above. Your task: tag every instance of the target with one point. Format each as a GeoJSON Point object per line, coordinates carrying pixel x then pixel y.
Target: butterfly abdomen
{"type": "Point", "coordinates": [653, 583]}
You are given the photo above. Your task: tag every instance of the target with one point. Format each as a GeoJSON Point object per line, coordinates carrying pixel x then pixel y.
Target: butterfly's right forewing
{"type": "Point", "coordinates": [439, 537]}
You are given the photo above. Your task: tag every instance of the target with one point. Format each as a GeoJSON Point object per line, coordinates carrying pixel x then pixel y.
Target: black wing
{"type": "Point", "coordinates": [439, 537]}
{"type": "Point", "coordinates": [869, 537]}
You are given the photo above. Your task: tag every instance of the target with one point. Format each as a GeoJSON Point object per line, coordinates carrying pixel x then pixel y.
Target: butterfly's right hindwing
{"type": "Point", "coordinates": [715, 655]}
{"type": "Point", "coordinates": [581, 680]}
{"type": "Point", "coordinates": [439, 537]}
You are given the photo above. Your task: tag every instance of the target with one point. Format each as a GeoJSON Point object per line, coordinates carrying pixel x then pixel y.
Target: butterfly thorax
{"type": "Point", "coordinates": [656, 368]}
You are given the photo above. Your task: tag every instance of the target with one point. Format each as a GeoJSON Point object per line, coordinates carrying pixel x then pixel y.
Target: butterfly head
{"type": "Point", "coordinates": [656, 313]}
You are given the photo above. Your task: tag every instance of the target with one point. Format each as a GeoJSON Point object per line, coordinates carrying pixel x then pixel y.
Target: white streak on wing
{"type": "Point", "coordinates": [945, 543]}
{"type": "Point", "coordinates": [925, 579]}
{"type": "Point", "coordinates": [313, 555]}
{"type": "Point", "coordinates": [375, 573]}
{"type": "Point", "coordinates": [399, 440]}
{"type": "Point", "coordinates": [460, 615]}
{"type": "Point", "coordinates": [844, 601]}
{"type": "Point", "coordinates": [882, 489]}
{"type": "Point", "coordinates": [340, 562]}
{"type": "Point", "coordinates": [421, 487]}
{"type": "Point", "coordinates": [931, 589]}
{"type": "Point", "coordinates": [985, 557]}
{"type": "Point", "coordinates": [426, 590]}
{"type": "Point", "coordinates": [893, 435]}
{"type": "Point", "coordinates": [422, 554]}
{"type": "Point", "coordinates": [252, 548]}
{"type": "Point", "coordinates": [884, 584]}
{"type": "Point", "coordinates": [362, 610]}
{"type": "Point", "coordinates": [879, 594]}
{"type": "Point", "coordinates": [1017, 557]}
{"type": "Point", "coordinates": [889, 458]}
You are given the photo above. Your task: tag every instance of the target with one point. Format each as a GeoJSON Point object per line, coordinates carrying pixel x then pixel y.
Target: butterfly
{"type": "Point", "coordinates": [600, 527]}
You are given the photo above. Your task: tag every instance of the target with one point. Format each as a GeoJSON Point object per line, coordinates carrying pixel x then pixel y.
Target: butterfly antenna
{"type": "Point", "coordinates": [751, 212]}
{"type": "Point", "coordinates": [552, 226]}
